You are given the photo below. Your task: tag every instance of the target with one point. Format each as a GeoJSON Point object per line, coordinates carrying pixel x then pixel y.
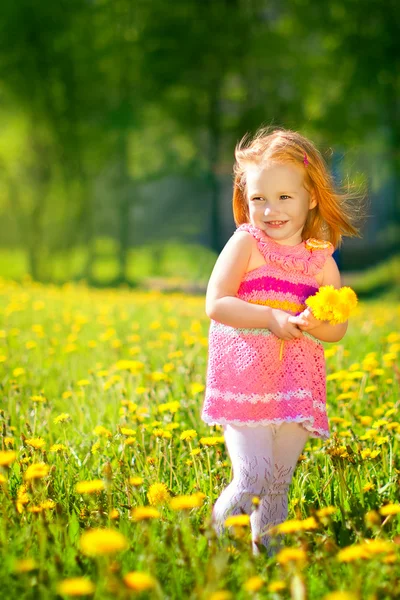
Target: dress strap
{"type": "Point", "coordinates": [308, 257]}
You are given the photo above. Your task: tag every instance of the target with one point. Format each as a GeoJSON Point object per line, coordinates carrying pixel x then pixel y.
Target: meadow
{"type": "Point", "coordinates": [108, 475]}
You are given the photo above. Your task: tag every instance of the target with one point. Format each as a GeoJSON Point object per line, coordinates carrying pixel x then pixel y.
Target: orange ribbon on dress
{"type": "Point", "coordinates": [281, 350]}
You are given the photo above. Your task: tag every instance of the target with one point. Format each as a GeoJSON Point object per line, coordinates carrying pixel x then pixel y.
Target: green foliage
{"type": "Point", "coordinates": [136, 360]}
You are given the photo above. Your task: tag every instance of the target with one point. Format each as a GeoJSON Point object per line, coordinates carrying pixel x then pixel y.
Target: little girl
{"type": "Point", "coordinates": [266, 367]}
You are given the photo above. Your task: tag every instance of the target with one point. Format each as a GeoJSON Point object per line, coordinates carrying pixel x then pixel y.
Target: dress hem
{"type": "Point", "coordinates": [305, 422]}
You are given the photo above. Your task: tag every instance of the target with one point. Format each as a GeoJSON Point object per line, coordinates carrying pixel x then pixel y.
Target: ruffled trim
{"type": "Point", "coordinates": [306, 422]}
{"type": "Point", "coordinates": [308, 257]}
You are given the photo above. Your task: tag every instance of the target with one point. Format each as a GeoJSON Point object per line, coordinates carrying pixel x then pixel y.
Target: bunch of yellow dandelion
{"type": "Point", "coordinates": [332, 305]}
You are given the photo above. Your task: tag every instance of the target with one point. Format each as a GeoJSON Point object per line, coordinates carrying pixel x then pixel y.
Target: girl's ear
{"type": "Point", "coordinates": [313, 200]}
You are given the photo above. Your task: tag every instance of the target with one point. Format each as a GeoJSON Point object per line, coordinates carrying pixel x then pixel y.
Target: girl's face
{"type": "Point", "coordinates": [276, 192]}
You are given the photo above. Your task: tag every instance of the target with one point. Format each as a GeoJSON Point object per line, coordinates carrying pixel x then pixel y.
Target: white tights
{"type": "Point", "coordinates": [263, 459]}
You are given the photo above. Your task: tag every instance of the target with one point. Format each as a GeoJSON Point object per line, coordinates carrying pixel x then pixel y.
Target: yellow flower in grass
{"type": "Point", "coordinates": [288, 555]}
{"type": "Point", "coordinates": [136, 480]}
{"type": "Point", "coordinates": [341, 595]}
{"type": "Point", "coordinates": [351, 553]}
{"type": "Point", "coordinates": [18, 371]}
{"type": "Point", "coordinates": [58, 448]}
{"type": "Point", "coordinates": [7, 457]}
{"type": "Point", "coordinates": [188, 434]}
{"type": "Point", "coordinates": [36, 471]}
{"type": "Point", "coordinates": [140, 581]}
{"type": "Point", "coordinates": [98, 542]}
{"type": "Point", "coordinates": [24, 565]}
{"type": "Point", "coordinates": [158, 493]}
{"type": "Point", "coordinates": [211, 441]}
{"type": "Point", "coordinates": [128, 365]}
{"type": "Point", "coordinates": [196, 388]}
{"type": "Point", "coordinates": [293, 525]}
{"type": "Point", "coordinates": [390, 509]}
{"type": "Point", "coordinates": [62, 418]}
{"type": "Point", "coordinates": [142, 513]}
{"type": "Point", "coordinates": [377, 546]}
{"type": "Point", "coordinates": [186, 502]}
{"type": "Point", "coordinates": [368, 486]}
{"type": "Point", "coordinates": [326, 511]}
{"type": "Point", "coordinates": [276, 586]}
{"type": "Point", "coordinates": [36, 443]}
{"type": "Point", "coordinates": [47, 504]}
{"type": "Point", "coordinates": [3, 480]}
{"type": "Point", "coordinates": [171, 407]}
{"type": "Point", "coordinates": [127, 431]}
{"type": "Point", "coordinates": [237, 521]}
{"type": "Point", "coordinates": [76, 586]}
{"type": "Point", "coordinates": [220, 595]}
{"type": "Point", "coordinates": [253, 584]}
{"type": "Point", "coordinates": [89, 487]}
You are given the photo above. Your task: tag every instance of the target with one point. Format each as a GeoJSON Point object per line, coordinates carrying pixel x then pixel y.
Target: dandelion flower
{"type": "Point", "coordinates": [220, 595]}
{"type": "Point", "coordinates": [136, 480]}
{"type": "Point", "coordinates": [291, 555]}
{"type": "Point", "coordinates": [186, 502]}
{"type": "Point", "coordinates": [188, 434]}
{"type": "Point", "coordinates": [36, 471]}
{"type": "Point", "coordinates": [62, 418]}
{"type": "Point", "coordinates": [76, 586]}
{"type": "Point", "coordinates": [390, 509]}
{"type": "Point", "coordinates": [348, 296]}
{"type": "Point", "coordinates": [158, 493]}
{"type": "Point", "coordinates": [98, 542]}
{"type": "Point", "coordinates": [352, 553]}
{"type": "Point", "coordinates": [237, 520]}
{"type": "Point", "coordinates": [139, 581]}
{"type": "Point", "coordinates": [36, 443]}
{"type": "Point", "coordinates": [253, 584]}
{"type": "Point", "coordinates": [7, 457]}
{"type": "Point", "coordinates": [89, 487]}
{"type": "Point", "coordinates": [24, 565]}
{"type": "Point", "coordinates": [142, 513]}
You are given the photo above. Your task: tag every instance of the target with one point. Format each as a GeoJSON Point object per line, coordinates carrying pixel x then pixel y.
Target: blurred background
{"type": "Point", "coordinates": [119, 118]}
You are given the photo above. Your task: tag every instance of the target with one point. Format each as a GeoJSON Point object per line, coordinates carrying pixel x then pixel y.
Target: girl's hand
{"type": "Point", "coordinates": [305, 320]}
{"type": "Point", "coordinates": [282, 326]}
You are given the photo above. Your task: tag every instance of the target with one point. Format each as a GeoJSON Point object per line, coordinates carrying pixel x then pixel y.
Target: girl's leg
{"type": "Point", "coordinates": [288, 443]}
{"type": "Point", "coordinates": [250, 451]}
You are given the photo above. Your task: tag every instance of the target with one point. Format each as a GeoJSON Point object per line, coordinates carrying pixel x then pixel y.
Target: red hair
{"type": "Point", "coordinates": [335, 212]}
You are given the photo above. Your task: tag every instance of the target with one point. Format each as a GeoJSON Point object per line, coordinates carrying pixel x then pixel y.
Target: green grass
{"type": "Point", "coordinates": [60, 353]}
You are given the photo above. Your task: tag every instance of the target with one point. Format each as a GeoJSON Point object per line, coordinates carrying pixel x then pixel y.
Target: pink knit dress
{"type": "Point", "coordinates": [254, 377]}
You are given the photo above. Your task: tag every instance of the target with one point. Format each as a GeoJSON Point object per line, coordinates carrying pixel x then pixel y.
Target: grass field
{"type": "Point", "coordinates": [108, 475]}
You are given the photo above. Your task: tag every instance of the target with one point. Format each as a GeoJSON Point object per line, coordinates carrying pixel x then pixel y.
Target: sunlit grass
{"type": "Point", "coordinates": [108, 475]}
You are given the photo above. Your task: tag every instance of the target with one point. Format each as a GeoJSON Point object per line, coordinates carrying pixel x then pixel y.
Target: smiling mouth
{"type": "Point", "coordinates": [275, 222]}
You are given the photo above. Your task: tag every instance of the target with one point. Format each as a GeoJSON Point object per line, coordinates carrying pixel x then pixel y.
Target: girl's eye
{"type": "Point", "coordinates": [281, 196]}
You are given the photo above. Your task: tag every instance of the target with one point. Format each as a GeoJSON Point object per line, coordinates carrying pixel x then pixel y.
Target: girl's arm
{"type": "Point", "coordinates": [224, 282]}
{"type": "Point", "coordinates": [321, 329]}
